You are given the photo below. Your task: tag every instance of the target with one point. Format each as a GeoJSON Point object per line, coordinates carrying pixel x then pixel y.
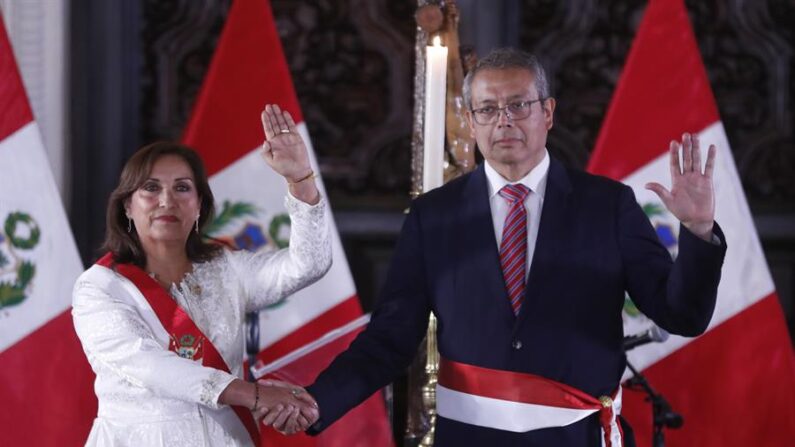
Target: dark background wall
{"type": "Point", "coordinates": [136, 68]}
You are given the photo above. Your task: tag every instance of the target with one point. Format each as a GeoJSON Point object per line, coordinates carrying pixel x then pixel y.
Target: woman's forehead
{"type": "Point", "coordinates": [171, 167]}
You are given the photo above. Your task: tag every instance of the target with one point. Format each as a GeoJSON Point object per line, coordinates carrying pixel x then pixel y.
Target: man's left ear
{"type": "Point", "coordinates": [549, 112]}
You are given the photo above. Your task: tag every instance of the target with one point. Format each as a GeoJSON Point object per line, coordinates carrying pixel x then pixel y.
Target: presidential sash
{"type": "Point", "coordinates": [185, 338]}
{"type": "Point", "coordinates": [519, 402]}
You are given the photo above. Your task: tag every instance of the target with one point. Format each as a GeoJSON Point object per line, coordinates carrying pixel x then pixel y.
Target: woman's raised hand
{"type": "Point", "coordinates": [285, 151]}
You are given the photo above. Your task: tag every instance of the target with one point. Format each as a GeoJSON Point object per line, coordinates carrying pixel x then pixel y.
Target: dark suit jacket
{"type": "Point", "coordinates": [594, 243]}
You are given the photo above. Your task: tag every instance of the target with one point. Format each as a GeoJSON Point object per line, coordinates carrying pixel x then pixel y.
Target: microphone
{"type": "Point", "coordinates": [654, 334]}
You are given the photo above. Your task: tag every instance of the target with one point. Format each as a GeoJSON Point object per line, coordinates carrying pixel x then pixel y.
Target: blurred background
{"type": "Point", "coordinates": [105, 77]}
{"type": "Point", "coordinates": [108, 76]}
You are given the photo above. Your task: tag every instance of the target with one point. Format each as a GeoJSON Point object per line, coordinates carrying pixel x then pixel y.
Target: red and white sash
{"type": "Point", "coordinates": [179, 327]}
{"type": "Point", "coordinates": [520, 402]}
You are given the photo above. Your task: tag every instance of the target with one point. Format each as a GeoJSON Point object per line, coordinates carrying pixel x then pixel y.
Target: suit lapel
{"type": "Point", "coordinates": [478, 260]}
{"type": "Point", "coordinates": [552, 236]}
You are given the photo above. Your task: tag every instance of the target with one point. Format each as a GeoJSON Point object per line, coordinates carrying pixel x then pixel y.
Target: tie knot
{"type": "Point", "coordinates": [514, 193]}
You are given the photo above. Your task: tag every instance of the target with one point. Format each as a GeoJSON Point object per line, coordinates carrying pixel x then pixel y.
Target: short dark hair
{"type": "Point", "coordinates": [503, 59]}
{"type": "Point", "coordinates": [125, 246]}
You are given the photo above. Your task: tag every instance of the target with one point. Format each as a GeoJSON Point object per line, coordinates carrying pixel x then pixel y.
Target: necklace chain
{"type": "Point", "coordinates": [194, 288]}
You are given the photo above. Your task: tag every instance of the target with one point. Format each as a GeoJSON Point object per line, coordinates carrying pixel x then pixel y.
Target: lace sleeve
{"type": "Point", "coordinates": [118, 341]}
{"type": "Point", "coordinates": [269, 276]}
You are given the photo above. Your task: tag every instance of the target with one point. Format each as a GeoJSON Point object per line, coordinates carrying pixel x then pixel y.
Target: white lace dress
{"type": "Point", "coordinates": [149, 396]}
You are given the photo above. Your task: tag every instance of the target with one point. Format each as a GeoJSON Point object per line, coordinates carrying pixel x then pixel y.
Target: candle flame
{"type": "Point", "coordinates": [437, 42]}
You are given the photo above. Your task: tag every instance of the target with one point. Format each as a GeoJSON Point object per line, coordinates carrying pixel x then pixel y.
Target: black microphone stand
{"type": "Point", "coordinates": [252, 343]}
{"type": "Point", "coordinates": [662, 414]}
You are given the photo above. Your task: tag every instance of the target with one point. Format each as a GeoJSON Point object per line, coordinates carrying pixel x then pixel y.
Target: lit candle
{"type": "Point", "coordinates": [435, 94]}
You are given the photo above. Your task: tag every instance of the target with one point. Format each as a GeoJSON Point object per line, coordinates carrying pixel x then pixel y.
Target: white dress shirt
{"type": "Point", "coordinates": [536, 180]}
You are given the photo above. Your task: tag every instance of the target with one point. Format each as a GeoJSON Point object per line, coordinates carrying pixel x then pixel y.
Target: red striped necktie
{"type": "Point", "coordinates": [513, 249]}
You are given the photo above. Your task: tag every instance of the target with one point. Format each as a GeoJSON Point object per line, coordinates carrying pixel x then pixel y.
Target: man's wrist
{"type": "Point", "coordinates": [702, 231]}
{"type": "Point", "coordinates": [315, 428]}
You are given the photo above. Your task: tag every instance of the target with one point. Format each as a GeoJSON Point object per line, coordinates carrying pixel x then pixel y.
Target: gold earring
{"type": "Point", "coordinates": [197, 223]}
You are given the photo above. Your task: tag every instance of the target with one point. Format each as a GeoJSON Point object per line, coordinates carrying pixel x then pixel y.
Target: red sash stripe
{"type": "Point", "coordinates": [176, 321]}
{"type": "Point", "coordinates": [523, 388]}
{"type": "Point", "coordinates": [512, 386]}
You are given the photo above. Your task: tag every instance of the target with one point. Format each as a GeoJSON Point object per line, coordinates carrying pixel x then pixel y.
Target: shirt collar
{"type": "Point", "coordinates": [535, 179]}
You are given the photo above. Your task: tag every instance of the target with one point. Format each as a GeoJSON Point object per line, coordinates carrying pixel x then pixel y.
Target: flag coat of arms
{"type": "Point", "coordinates": [301, 335]}
{"type": "Point", "coordinates": [734, 385]}
{"type": "Point", "coordinates": [45, 380]}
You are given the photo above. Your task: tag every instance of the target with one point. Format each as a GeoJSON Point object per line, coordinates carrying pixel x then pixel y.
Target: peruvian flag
{"type": "Point", "coordinates": [734, 385]}
{"type": "Point", "coordinates": [302, 335]}
{"type": "Point", "coordinates": [46, 384]}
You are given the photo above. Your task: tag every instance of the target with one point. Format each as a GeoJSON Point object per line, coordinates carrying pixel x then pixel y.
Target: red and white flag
{"type": "Point", "coordinates": [303, 334]}
{"type": "Point", "coordinates": [734, 385]}
{"type": "Point", "coordinates": [46, 384]}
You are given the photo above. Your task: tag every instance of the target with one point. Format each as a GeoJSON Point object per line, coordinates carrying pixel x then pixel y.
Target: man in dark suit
{"type": "Point", "coordinates": [525, 263]}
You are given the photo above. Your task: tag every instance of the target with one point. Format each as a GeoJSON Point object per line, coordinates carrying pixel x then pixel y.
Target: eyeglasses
{"type": "Point", "coordinates": [516, 111]}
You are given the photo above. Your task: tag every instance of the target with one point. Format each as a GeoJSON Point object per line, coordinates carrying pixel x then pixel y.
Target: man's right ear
{"type": "Point", "coordinates": [470, 123]}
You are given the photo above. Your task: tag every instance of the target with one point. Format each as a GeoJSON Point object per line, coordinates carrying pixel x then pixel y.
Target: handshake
{"type": "Point", "coordinates": [287, 408]}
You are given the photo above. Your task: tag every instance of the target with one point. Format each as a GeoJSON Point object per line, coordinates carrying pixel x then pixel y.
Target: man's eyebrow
{"type": "Point", "coordinates": [521, 96]}
{"type": "Point", "coordinates": [487, 101]}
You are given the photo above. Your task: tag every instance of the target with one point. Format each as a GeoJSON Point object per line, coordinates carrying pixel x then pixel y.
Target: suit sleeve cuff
{"type": "Point", "coordinates": [718, 239]}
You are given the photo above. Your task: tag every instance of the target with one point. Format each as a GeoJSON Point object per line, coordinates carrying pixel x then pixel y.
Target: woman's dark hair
{"type": "Point", "coordinates": [125, 246]}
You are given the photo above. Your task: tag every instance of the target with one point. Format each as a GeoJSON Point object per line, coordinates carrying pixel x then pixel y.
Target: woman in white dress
{"type": "Point", "coordinates": [161, 316]}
